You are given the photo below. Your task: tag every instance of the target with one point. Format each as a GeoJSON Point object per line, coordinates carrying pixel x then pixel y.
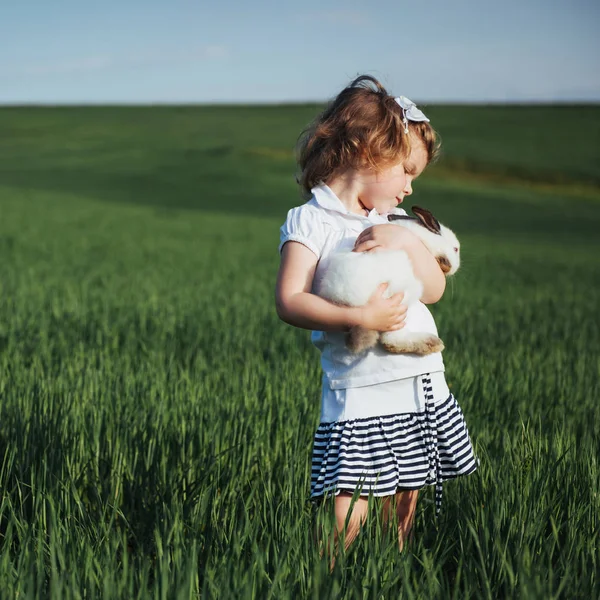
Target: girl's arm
{"type": "Point", "coordinates": [297, 306]}
{"type": "Point", "coordinates": [425, 266]}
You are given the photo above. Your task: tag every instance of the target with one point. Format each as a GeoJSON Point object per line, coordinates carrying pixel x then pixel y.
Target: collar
{"type": "Point", "coordinates": [325, 197]}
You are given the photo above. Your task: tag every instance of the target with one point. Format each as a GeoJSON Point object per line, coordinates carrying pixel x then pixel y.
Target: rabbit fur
{"type": "Point", "coordinates": [351, 278]}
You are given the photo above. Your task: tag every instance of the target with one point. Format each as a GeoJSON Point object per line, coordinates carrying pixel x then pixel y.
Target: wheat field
{"type": "Point", "coordinates": [156, 418]}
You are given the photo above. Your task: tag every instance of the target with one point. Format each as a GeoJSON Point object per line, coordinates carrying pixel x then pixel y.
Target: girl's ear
{"type": "Point", "coordinates": [427, 219]}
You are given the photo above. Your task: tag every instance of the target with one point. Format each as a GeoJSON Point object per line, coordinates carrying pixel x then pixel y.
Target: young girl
{"type": "Point", "coordinates": [389, 425]}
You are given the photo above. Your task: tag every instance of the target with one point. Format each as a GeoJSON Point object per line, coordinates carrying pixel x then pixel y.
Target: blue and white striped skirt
{"type": "Point", "coordinates": [386, 454]}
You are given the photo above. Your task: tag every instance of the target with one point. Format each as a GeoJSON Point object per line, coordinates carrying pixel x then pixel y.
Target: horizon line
{"type": "Point", "coordinates": [284, 103]}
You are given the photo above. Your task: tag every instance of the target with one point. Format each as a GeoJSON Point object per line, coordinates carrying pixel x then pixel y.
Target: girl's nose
{"type": "Point", "coordinates": [408, 189]}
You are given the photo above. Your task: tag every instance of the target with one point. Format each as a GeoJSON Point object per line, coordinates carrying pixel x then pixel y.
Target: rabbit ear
{"type": "Point", "coordinates": [394, 217]}
{"type": "Point", "coordinates": [427, 219]}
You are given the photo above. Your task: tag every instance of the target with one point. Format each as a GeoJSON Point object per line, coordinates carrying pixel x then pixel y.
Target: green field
{"type": "Point", "coordinates": [156, 418]}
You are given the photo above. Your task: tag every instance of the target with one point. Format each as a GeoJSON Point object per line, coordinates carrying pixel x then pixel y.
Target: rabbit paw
{"type": "Point", "coordinates": [359, 339]}
{"type": "Point", "coordinates": [414, 344]}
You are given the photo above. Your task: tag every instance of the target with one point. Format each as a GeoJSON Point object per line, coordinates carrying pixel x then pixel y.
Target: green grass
{"type": "Point", "coordinates": [156, 418]}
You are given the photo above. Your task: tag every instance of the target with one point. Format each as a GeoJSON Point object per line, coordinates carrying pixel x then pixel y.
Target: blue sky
{"type": "Point", "coordinates": [135, 51]}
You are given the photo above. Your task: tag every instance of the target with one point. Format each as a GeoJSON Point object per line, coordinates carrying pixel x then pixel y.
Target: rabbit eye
{"type": "Point", "coordinates": [455, 249]}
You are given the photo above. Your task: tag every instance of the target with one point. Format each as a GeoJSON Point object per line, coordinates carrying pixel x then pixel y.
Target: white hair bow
{"type": "Point", "coordinates": [410, 111]}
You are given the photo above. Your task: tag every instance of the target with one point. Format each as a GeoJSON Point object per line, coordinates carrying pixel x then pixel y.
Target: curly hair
{"type": "Point", "coordinates": [361, 128]}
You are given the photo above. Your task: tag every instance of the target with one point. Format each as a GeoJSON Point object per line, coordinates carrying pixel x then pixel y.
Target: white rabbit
{"type": "Point", "coordinates": [351, 278]}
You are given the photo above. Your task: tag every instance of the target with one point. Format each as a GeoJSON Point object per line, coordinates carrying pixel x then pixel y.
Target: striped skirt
{"type": "Point", "coordinates": [385, 454]}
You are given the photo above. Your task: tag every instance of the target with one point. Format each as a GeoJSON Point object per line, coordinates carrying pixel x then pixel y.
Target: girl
{"type": "Point", "coordinates": [389, 425]}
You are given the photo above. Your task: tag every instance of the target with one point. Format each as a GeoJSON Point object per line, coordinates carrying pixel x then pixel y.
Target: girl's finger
{"type": "Point", "coordinates": [382, 287]}
{"type": "Point", "coordinates": [361, 238]}
{"type": "Point", "coordinates": [366, 246]}
{"type": "Point", "coordinates": [364, 236]}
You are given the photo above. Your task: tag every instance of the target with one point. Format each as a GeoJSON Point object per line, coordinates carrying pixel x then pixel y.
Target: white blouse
{"type": "Point", "coordinates": [324, 225]}
{"type": "Point", "coordinates": [389, 398]}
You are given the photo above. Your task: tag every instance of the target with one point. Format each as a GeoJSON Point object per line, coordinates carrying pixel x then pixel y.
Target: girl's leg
{"type": "Point", "coordinates": [348, 521]}
{"type": "Point", "coordinates": [358, 516]}
{"type": "Point", "coordinates": [404, 504]}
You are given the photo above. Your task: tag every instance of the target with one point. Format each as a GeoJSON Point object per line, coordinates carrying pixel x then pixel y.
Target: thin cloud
{"type": "Point", "coordinates": [107, 62]}
{"type": "Point", "coordinates": [92, 63]}
{"type": "Point", "coordinates": [339, 17]}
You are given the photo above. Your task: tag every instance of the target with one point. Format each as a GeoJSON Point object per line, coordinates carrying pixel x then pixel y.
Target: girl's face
{"type": "Point", "coordinates": [383, 191]}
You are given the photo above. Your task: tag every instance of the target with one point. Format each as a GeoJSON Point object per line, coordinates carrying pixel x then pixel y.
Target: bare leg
{"type": "Point", "coordinates": [348, 521]}
{"type": "Point", "coordinates": [404, 504]}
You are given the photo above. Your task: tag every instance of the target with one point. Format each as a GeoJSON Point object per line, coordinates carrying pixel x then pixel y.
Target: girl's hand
{"type": "Point", "coordinates": [425, 266]}
{"type": "Point", "coordinates": [384, 237]}
{"type": "Point", "coordinates": [383, 314]}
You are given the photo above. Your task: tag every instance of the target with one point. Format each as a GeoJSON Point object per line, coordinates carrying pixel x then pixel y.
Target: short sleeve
{"type": "Point", "coordinates": [303, 225]}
